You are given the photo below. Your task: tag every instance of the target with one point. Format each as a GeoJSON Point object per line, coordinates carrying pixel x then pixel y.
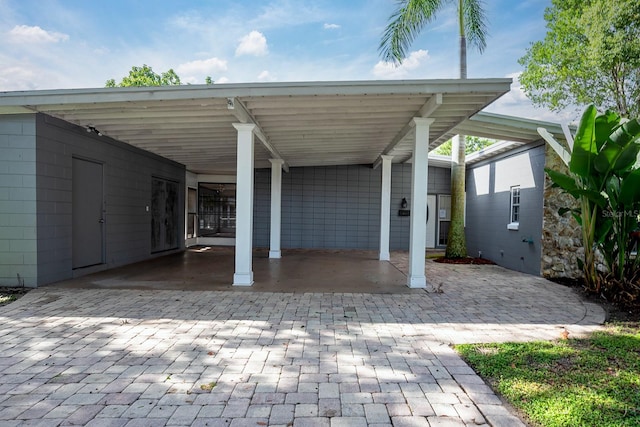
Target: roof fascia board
{"type": "Point", "coordinates": [495, 148]}
{"type": "Point", "coordinates": [514, 122]}
{"type": "Point", "coordinates": [158, 93]}
{"type": "Point", "coordinates": [506, 123]}
{"type": "Point", "coordinates": [16, 110]}
{"type": "Point", "coordinates": [507, 151]}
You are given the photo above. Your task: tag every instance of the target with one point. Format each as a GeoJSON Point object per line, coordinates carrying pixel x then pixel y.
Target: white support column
{"type": "Point", "coordinates": [385, 207]}
{"type": "Point", "coordinates": [418, 227]}
{"type": "Point", "coordinates": [243, 275]}
{"type": "Point", "coordinates": [276, 207]}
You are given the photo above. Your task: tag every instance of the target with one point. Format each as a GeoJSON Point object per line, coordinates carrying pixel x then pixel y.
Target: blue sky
{"type": "Point", "coordinates": [52, 44]}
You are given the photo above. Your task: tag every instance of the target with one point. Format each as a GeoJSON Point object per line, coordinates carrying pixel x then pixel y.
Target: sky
{"type": "Point", "coordinates": [60, 44]}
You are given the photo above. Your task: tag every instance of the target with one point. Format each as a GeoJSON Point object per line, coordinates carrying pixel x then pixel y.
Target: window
{"type": "Point", "coordinates": [444, 218]}
{"type": "Point", "coordinates": [192, 212]}
{"type": "Point", "coordinates": [515, 208]}
{"type": "Point", "coordinates": [216, 210]}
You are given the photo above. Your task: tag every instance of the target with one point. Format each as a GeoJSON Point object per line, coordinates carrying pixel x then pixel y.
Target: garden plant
{"type": "Point", "coordinates": [604, 177]}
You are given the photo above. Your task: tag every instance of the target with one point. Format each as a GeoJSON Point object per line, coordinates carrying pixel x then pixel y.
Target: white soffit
{"type": "Point", "coordinates": [512, 132]}
{"type": "Point", "coordinates": [502, 127]}
{"type": "Point", "coordinates": [304, 123]}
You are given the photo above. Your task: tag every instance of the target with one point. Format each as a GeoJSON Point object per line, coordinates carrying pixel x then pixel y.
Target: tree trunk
{"type": "Point", "coordinates": [456, 241]}
{"type": "Point", "coordinates": [463, 57]}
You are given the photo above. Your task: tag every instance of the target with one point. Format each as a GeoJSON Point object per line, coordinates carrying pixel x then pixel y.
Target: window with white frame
{"type": "Point", "coordinates": [514, 208]}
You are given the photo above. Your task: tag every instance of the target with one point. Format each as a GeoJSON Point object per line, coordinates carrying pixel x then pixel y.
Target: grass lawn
{"type": "Point", "coordinates": [574, 382]}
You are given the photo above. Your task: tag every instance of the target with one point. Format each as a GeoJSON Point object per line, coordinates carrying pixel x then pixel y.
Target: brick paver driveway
{"type": "Point", "coordinates": [109, 357]}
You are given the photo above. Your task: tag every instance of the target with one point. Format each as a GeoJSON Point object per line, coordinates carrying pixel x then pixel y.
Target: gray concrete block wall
{"type": "Point", "coordinates": [127, 192]}
{"type": "Point", "coordinates": [400, 188]}
{"type": "Point", "coordinates": [438, 182]}
{"type": "Point", "coordinates": [322, 207]}
{"type": "Point", "coordinates": [337, 207]}
{"type": "Point", "coordinates": [18, 223]}
{"type": "Point", "coordinates": [488, 209]}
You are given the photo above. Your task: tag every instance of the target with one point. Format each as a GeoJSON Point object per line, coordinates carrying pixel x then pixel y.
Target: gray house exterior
{"type": "Point", "coordinates": [490, 231]}
{"type": "Point", "coordinates": [43, 160]}
{"type": "Point", "coordinates": [98, 178]}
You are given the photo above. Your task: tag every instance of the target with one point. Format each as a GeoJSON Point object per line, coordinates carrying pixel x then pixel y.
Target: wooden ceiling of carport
{"type": "Point", "coordinates": [305, 124]}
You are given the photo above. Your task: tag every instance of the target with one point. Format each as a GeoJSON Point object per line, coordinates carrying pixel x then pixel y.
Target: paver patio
{"type": "Point", "coordinates": [116, 357]}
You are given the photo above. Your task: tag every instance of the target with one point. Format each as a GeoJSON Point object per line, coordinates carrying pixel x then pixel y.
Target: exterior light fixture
{"type": "Point", "coordinates": [403, 208]}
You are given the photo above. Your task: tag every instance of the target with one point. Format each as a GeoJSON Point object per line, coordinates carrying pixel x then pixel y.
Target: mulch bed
{"type": "Point", "coordinates": [467, 260]}
{"type": "Point", "coordinates": [615, 312]}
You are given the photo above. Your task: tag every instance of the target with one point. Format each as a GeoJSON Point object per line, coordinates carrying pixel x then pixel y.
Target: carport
{"type": "Point", "coordinates": [235, 128]}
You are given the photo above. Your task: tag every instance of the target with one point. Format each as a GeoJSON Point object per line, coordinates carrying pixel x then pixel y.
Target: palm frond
{"type": "Point", "coordinates": [405, 25]}
{"type": "Point", "coordinates": [475, 23]}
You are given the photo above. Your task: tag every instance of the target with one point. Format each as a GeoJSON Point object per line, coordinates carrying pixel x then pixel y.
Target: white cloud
{"type": "Point", "coordinates": [331, 26]}
{"type": "Point", "coordinates": [222, 80]}
{"type": "Point", "coordinates": [254, 43]}
{"type": "Point", "coordinates": [389, 70]}
{"type": "Point", "coordinates": [29, 77]}
{"type": "Point", "coordinates": [202, 66]}
{"type": "Point", "coordinates": [27, 34]}
{"type": "Point", "coordinates": [265, 76]}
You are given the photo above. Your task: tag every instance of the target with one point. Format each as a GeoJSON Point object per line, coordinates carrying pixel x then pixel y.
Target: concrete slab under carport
{"type": "Point", "coordinates": [209, 268]}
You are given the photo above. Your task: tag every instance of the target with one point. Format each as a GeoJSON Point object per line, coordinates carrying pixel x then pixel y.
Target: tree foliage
{"type": "Point", "coordinates": [145, 76]}
{"type": "Point", "coordinates": [473, 144]}
{"type": "Point", "coordinates": [590, 55]}
{"type": "Point", "coordinates": [413, 15]}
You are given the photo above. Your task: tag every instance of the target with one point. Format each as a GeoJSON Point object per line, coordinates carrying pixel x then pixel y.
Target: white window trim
{"type": "Point", "coordinates": [514, 225]}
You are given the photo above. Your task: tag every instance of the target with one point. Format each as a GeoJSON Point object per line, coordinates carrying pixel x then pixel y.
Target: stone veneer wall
{"type": "Point", "coordinates": [561, 235]}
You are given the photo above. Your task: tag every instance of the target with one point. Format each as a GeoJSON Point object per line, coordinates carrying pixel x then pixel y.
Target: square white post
{"type": "Point", "coordinates": [418, 227]}
{"type": "Point", "coordinates": [385, 208]}
{"type": "Point", "coordinates": [276, 207]}
{"type": "Point", "coordinates": [243, 275]}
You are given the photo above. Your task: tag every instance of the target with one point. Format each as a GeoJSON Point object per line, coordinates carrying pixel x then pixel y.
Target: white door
{"type": "Point", "coordinates": [431, 221]}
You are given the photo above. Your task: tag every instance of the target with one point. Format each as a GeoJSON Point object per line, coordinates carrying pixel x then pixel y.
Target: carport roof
{"type": "Point", "coordinates": [303, 123]}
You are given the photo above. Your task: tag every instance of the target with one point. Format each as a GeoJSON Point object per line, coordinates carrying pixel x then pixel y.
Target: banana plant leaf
{"type": "Point", "coordinates": [626, 132]}
{"type": "Point", "coordinates": [630, 189]}
{"type": "Point", "coordinates": [616, 158]}
{"type": "Point", "coordinates": [584, 145]}
{"type": "Point", "coordinates": [605, 124]}
{"type": "Point", "coordinates": [602, 231]}
{"type": "Point", "coordinates": [563, 181]}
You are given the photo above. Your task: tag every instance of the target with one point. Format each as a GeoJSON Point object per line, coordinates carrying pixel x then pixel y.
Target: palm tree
{"type": "Point", "coordinates": [404, 26]}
